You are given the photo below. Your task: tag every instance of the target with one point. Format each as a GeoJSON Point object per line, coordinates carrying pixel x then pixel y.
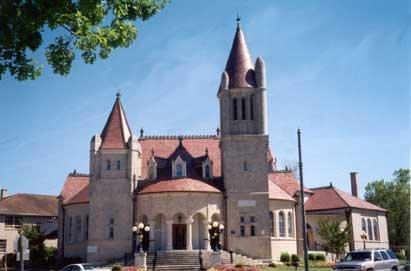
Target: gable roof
{"type": "Point", "coordinates": [240, 67]}
{"type": "Point", "coordinates": [325, 198]}
{"type": "Point", "coordinates": [286, 181]}
{"type": "Point", "coordinates": [116, 132]}
{"type": "Point", "coordinates": [75, 188]}
{"type": "Point", "coordinates": [275, 192]}
{"type": "Point", "coordinates": [29, 205]}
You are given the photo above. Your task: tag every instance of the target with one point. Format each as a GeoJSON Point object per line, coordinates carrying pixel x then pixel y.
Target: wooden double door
{"type": "Point", "coordinates": [179, 236]}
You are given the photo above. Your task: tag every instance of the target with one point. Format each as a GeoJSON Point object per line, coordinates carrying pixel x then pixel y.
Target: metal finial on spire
{"type": "Point", "coordinates": [206, 151]}
{"type": "Point", "coordinates": [118, 94]}
{"type": "Point", "coordinates": [238, 20]}
{"type": "Point", "coordinates": [141, 132]}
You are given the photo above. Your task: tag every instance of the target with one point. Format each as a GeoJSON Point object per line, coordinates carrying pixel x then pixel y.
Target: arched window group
{"type": "Point", "coordinates": [242, 114]}
{"type": "Point", "coordinates": [371, 228]}
{"type": "Point", "coordinates": [285, 224]}
{"type": "Point", "coordinates": [179, 168]}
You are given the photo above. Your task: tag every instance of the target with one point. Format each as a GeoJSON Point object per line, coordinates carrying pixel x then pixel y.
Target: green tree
{"type": "Point", "coordinates": [93, 28]}
{"type": "Point", "coordinates": [335, 238]}
{"type": "Point", "coordinates": [394, 196]}
{"type": "Point", "coordinates": [40, 255]}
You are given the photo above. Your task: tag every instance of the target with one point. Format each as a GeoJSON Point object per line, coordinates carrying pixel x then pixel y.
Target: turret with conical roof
{"type": "Point", "coordinates": [116, 132]}
{"type": "Point", "coordinates": [242, 91]}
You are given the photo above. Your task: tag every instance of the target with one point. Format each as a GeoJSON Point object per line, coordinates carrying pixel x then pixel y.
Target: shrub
{"type": "Point", "coordinates": [311, 257]}
{"type": "Point", "coordinates": [272, 264]}
{"type": "Point", "coordinates": [116, 268]}
{"type": "Point", "coordinates": [294, 258]}
{"type": "Point", "coordinates": [239, 265]}
{"type": "Point", "coordinates": [285, 257]}
{"type": "Point", "coordinates": [400, 256]}
{"type": "Point", "coordinates": [319, 257]}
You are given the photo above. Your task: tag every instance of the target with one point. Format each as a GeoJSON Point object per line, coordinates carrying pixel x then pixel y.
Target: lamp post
{"type": "Point", "coordinates": [363, 237]}
{"type": "Point", "coordinates": [215, 229]}
{"type": "Point", "coordinates": [138, 231]}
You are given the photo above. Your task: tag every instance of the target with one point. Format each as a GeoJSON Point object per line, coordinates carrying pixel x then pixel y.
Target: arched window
{"type": "Point", "coordinates": [363, 225]}
{"type": "Point", "coordinates": [108, 164]}
{"type": "Point", "coordinates": [243, 111]}
{"type": "Point", "coordinates": [290, 224]}
{"type": "Point", "coordinates": [235, 109]}
{"type": "Point", "coordinates": [272, 224]}
{"type": "Point", "coordinates": [118, 164]}
{"type": "Point", "coordinates": [179, 170]}
{"type": "Point", "coordinates": [252, 107]}
{"type": "Point", "coordinates": [281, 224]}
{"type": "Point", "coordinates": [207, 172]}
{"type": "Point", "coordinates": [376, 230]}
{"type": "Point", "coordinates": [370, 237]}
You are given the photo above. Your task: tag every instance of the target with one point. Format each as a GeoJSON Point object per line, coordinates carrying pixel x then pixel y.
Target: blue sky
{"type": "Point", "coordinates": [339, 70]}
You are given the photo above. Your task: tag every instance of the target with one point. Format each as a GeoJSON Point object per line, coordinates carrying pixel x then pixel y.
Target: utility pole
{"type": "Point", "coordinates": [300, 165]}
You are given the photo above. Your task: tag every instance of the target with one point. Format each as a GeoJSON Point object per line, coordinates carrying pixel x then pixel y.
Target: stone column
{"type": "Point", "coordinates": [206, 236]}
{"type": "Point", "coordinates": [152, 246]}
{"type": "Point", "coordinates": [190, 233]}
{"type": "Point", "coordinates": [169, 234]}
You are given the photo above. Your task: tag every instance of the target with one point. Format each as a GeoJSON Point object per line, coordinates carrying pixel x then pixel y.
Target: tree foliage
{"type": "Point", "coordinates": [394, 196]}
{"type": "Point", "coordinates": [93, 28]}
{"type": "Point", "coordinates": [335, 238]}
{"type": "Point", "coordinates": [40, 255]}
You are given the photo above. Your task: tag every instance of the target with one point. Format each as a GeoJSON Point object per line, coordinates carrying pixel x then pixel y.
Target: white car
{"type": "Point", "coordinates": [84, 266]}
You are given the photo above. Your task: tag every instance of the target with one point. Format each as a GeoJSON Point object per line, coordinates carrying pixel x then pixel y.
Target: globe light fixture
{"type": "Point", "coordinates": [209, 227]}
{"type": "Point", "coordinates": [140, 226]}
{"type": "Point", "coordinates": [146, 228]}
{"type": "Point", "coordinates": [221, 227]}
{"type": "Point", "coordinates": [215, 224]}
{"type": "Point", "coordinates": [134, 229]}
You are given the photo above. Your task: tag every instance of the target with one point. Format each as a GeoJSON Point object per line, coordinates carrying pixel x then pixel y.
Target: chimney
{"type": "Point", "coordinates": [354, 184]}
{"type": "Point", "coordinates": [3, 193]}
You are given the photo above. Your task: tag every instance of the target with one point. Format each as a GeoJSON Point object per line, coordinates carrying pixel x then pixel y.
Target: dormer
{"type": "Point", "coordinates": [152, 168]}
{"type": "Point", "coordinates": [179, 168]}
{"type": "Point", "coordinates": [207, 169]}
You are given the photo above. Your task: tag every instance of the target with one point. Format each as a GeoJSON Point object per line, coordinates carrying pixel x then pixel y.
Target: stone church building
{"type": "Point", "coordinates": [179, 186]}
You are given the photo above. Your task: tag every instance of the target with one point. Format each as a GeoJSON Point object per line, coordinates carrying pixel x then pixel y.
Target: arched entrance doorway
{"type": "Point", "coordinates": [179, 232]}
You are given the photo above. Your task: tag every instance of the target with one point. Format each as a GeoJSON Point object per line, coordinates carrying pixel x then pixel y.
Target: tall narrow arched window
{"type": "Point", "coordinates": [252, 107]}
{"type": "Point", "coordinates": [108, 164]}
{"type": "Point", "coordinates": [235, 109]}
{"type": "Point", "coordinates": [376, 230]}
{"type": "Point", "coordinates": [207, 172]}
{"type": "Point", "coordinates": [290, 224]}
{"type": "Point", "coordinates": [281, 224]}
{"type": "Point", "coordinates": [272, 224]}
{"type": "Point", "coordinates": [179, 170]}
{"type": "Point", "coordinates": [370, 237]}
{"type": "Point", "coordinates": [243, 111]}
{"type": "Point", "coordinates": [363, 225]}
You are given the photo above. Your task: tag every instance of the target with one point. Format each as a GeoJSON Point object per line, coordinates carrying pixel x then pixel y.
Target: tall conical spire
{"type": "Point", "coordinates": [116, 132]}
{"type": "Point", "coordinates": [240, 67]}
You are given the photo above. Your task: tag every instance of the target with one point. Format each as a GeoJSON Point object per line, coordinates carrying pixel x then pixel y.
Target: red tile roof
{"type": "Point", "coordinates": [325, 198]}
{"type": "Point", "coordinates": [286, 181]}
{"type": "Point", "coordinates": [75, 189]}
{"type": "Point", "coordinates": [275, 192]}
{"type": "Point", "coordinates": [240, 67]}
{"type": "Point", "coordinates": [116, 132]}
{"type": "Point", "coordinates": [166, 149]}
{"type": "Point", "coordinates": [179, 185]}
{"type": "Point", "coordinates": [29, 205]}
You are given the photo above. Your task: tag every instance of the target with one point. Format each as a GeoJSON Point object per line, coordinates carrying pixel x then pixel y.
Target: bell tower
{"type": "Point", "coordinates": [244, 147]}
